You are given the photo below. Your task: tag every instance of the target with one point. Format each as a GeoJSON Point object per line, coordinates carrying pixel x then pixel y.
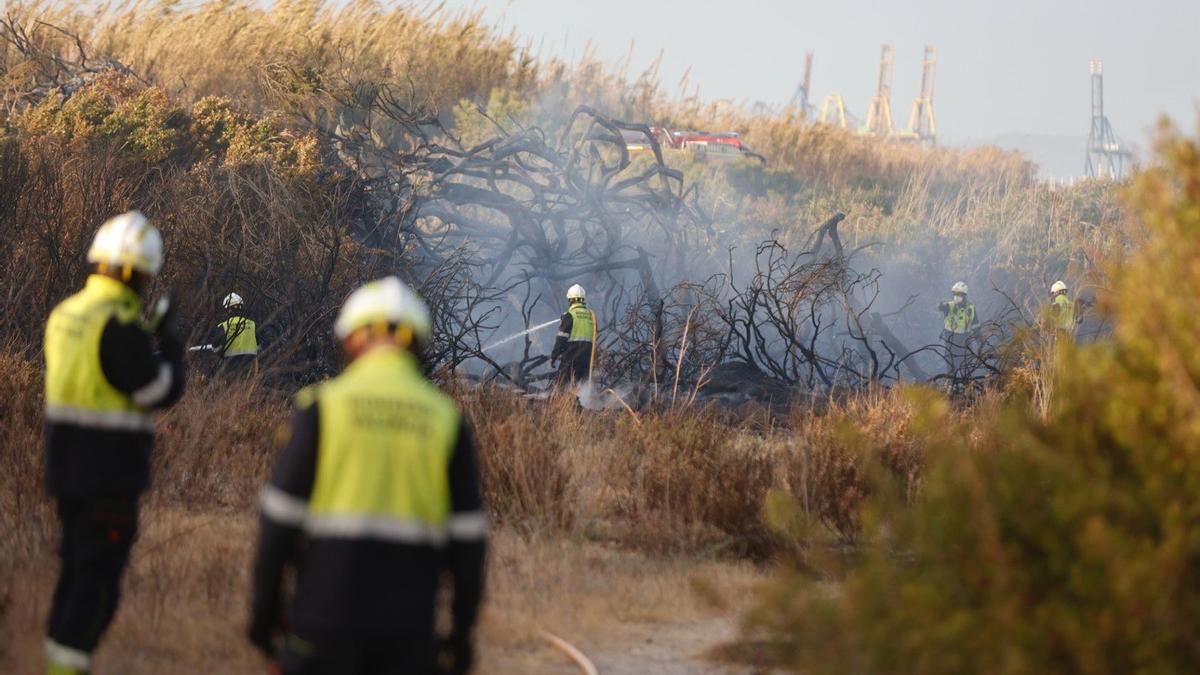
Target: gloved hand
{"type": "Point", "coordinates": [455, 654]}
{"type": "Point", "coordinates": [553, 361]}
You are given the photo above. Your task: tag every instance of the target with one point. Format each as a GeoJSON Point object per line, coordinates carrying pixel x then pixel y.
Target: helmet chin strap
{"type": "Point", "coordinates": [106, 269]}
{"type": "Point", "coordinates": [378, 334]}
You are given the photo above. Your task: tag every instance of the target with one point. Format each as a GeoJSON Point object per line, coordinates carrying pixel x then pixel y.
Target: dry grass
{"type": "Point", "coordinates": [26, 517]}
{"type": "Point", "coordinates": [216, 446]}
{"type": "Point", "coordinates": [604, 526]}
{"type": "Point", "coordinates": [183, 605]}
{"type": "Point", "coordinates": [186, 596]}
{"type": "Point", "coordinates": [600, 598]}
{"type": "Point", "coordinates": [685, 480]}
{"type": "Point", "coordinates": [219, 48]}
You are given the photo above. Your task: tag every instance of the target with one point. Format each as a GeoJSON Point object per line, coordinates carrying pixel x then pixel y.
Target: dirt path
{"type": "Point", "coordinates": [185, 598]}
{"type": "Point", "coordinates": [628, 612]}
{"type": "Point", "coordinates": [669, 649]}
{"type": "Point", "coordinates": [635, 649]}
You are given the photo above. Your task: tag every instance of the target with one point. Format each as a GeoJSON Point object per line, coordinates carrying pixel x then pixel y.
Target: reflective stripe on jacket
{"type": "Point", "coordinates": [960, 316]}
{"type": "Point", "coordinates": [240, 336]}
{"type": "Point", "coordinates": [385, 441]}
{"type": "Point", "coordinates": [583, 323]}
{"type": "Point", "coordinates": [77, 391]}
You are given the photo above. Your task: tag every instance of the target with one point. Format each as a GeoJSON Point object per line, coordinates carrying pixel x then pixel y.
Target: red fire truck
{"type": "Point", "coordinates": [715, 145]}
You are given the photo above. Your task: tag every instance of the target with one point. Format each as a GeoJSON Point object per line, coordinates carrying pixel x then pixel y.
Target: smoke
{"type": "Point", "coordinates": [594, 398]}
{"type": "Point", "coordinates": [546, 196]}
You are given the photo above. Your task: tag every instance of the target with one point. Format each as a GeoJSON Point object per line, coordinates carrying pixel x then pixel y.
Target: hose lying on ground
{"type": "Point", "coordinates": [567, 648]}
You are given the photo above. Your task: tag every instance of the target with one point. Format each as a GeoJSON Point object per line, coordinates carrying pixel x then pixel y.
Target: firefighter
{"type": "Point", "coordinates": [575, 343]}
{"type": "Point", "coordinates": [1062, 310]}
{"type": "Point", "coordinates": [958, 323]}
{"type": "Point", "coordinates": [104, 376]}
{"type": "Point", "coordinates": [375, 494]}
{"type": "Point", "coordinates": [236, 338]}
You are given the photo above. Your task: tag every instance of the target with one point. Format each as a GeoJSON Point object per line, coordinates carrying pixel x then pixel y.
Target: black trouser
{"type": "Point", "coordinates": [576, 361]}
{"type": "Point", "coordinates": [958, 357]}
{"type": "Point", "coordinates": [393, 655]}
{"type": "Point", "coordinates": [97, 535]}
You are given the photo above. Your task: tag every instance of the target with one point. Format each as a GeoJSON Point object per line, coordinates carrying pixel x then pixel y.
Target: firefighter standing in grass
{"type": "Point", "coordinates": [1062, 310]}
{"type": "Point", "coordinates": [576, 339]}
{"type": "Point", "coordinates": [104, 376]}
{"type": "Point", "coordinates": [959, 321]}
{"type": "Point", "coordinates": [374, 496]}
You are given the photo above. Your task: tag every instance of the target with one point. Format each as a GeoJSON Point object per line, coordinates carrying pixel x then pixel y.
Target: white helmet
{"type": "Point", "coordinates": [959, 287]}
{"type": "Point", "coordinates": [387, 300]}
{"type": "Point", "coordinates": [1058, 287]}
{"type": "Point", "coordinates": [232, 300]}
{"type": "Point", "coordinates": [128, 240]}
{"type": "Point", "coordinates": [576, 293]}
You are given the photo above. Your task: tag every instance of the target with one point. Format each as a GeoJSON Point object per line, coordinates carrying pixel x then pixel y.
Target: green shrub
{"type": "Point", "coordinates": [115, 110]}
{"type": "Point", "coordinates": [1063, 543]}
{"type": "Point", "coordinates": [217, 129]}
{"type": "Point", "coordinates": [141, 122]}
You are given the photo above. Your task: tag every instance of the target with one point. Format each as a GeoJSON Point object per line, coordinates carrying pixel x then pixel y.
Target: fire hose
{"type": "Point", "coordinates": [581, 660]}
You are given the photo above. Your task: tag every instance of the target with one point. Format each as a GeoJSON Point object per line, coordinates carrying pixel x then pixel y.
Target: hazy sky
{"type": "Point", "coordinates": [1012, 66]}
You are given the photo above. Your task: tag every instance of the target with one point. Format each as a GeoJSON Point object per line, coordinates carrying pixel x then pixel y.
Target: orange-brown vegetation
{"type": "Point", "coordinates": [610, 521]}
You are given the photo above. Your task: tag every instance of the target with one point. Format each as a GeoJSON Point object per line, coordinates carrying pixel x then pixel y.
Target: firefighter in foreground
{"type": "Point", "coordinates": [104, 376]}
{"type": "Point", "coordinates": [959, 322]}
{"type": "Point", "coordinates": [575, 343]}
{"type": "Point", "coordinates": [236, 338]}
{"type": "Point", "coordinates": [1062, 310]}
{"type": "Point", "coordinates": [375, 494]}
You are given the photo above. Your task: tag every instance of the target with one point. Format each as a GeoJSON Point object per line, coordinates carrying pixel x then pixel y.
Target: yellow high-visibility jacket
{"type": "Point", "coordinates": [1063, 312]}
{"type": "Point", "coordinates": [241, 338]}
{"type": "Point", "coordinates": [960, 317]}
{"type": "Point", "coordinates": [379, 474]}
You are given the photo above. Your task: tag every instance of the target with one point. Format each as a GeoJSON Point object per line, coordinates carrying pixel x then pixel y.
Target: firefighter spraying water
{"type": "Point", "coordinates": [575, 346]}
